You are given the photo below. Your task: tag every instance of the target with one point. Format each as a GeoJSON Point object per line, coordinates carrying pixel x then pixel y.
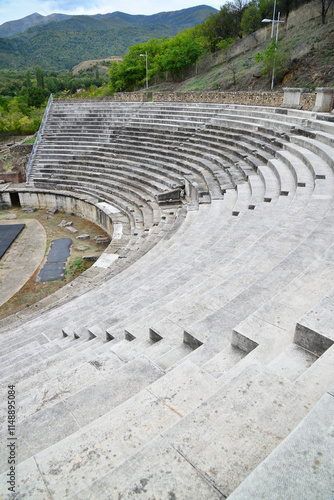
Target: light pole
{"type": "Point", "coordinates": [145, 55]}
{"type": "Point", "coordinates": [273, 23]}
{"type": "Point", "coordinates": [266, 21]}
{"type": "Point", "coordinates": [272, 34]}
{"type": "Point", "coordinates": [278, 21]}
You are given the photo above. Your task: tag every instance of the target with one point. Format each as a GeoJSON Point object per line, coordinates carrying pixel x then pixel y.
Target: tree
{"type": "Point", "coordinates": [225, 24]}
{"type": "Point", "coordinates": [251, 20]}
{"type": "Point", "coordinates": [273, 59]}
{"type": "Point", "coordinates": [180, 54]}
{"type": "Point", "coordinates": [52, 84]}
{"type": "Point", "coordinates": [39, 77]}
{"type": "Point", "coordinates": [225, 44]}
{"type": "Point", "coordinates": [28, 79]}
{"type": "Point", "coordinates": [325, 4]}
{"type": "Point", "coordinates": [232, 67]}
{"type": "Point", "coordinates": [266, 8]}
{"type": "Point", "coordinates": [131, 72]}
{"type": "Point", "coordinates": [35, 97]}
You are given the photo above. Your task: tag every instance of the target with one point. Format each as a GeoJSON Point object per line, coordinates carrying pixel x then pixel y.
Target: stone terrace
{"type": "Point", "coordinates": [201, 365]}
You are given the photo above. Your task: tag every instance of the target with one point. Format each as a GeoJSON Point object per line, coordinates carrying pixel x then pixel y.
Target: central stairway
{"type": "Point", "coordinates": [197, 359]}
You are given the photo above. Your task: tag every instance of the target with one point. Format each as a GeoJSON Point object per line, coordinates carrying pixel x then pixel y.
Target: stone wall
{"type": "Point", "coordinates": [19, 156]}
{"type": "Point", "coordinates": [253, 98]}
{"type": "Point", "coordinates": [250, 98]}
{"type": "Point", "coordinates": [13, 176]}
{"type": "Point", "coordinates": [307, 101]}
{"type": "Point", "coordinates": [19, 150]}
{"type": "Point", "coordinates": [118, 97]}
{"type": "Point", "coordinates": [83, 205]}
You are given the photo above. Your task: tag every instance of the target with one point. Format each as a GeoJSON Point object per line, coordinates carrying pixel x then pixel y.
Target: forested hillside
{"type": "Point", "coordinates": [63, 44]}
{"type": "Point", "coordinates": [18, 26]}
{"type": "Point", "coordinates": [204, 57]}
{"type": "Point", "coordinates": [222, 32]}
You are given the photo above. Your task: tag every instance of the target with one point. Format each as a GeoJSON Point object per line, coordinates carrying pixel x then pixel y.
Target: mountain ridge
{"type": "Point", "coordinates": [184, 18]}
{"type": "Point", "coordinates": [10, 28]}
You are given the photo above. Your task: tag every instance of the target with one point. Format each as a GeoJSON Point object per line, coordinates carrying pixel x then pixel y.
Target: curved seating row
{"type": "Point", "coordinates": [205, 347]}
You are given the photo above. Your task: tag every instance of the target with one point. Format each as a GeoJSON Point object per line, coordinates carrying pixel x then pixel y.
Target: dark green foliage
{"type": "Point", "coordinates": [4, 101]}
{"type": "Point", "coordinates": [184, 18]}
{"type": "Point", "coordinates": [219, 27]}
{"type": "Point", "coordinates": [172, 55]}
{"type": "Point", "coordinates": [39, 77]}
{"type": "Point", "coordinates": [131, 72]}
{"type": "Point", "coordinates": [251, 20]}
{"type": "Point", "coordinates": [35, 97]}
{"type": "Point", "coordinates": [63, 44]}
{"type": "Point", "coordinates": [18, 118]}
{"type": "Point", "coordinates": [28, 79]}
{"type": "Point", "coordinates": [180, 54]}
{"type": "Point", "coordinates": [273, 57]}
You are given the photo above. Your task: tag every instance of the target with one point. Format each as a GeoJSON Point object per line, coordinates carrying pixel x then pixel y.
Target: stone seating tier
{"type": "Point", "coordinates": [206, 345]}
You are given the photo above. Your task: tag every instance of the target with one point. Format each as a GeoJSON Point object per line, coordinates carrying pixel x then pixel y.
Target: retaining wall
{"type": "Point", "coordinates": [13, 177]}
{"type": "Point", "coordinates": [118, 97]}
{"type": "Point", "coordinates": [83, 206]}
{"type": "Point", "coordinates": [251, 98]}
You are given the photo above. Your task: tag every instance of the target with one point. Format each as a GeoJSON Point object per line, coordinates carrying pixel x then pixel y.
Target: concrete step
{"type": "Point", "coordinates": [314, 331]}
{"type": "Point", "coordinates": [319, 148]}
{"type": "Point", "coordinates": [179, 445]}
{"type": "Point", "coordinates": [222, 362]}
{"type": "Point", "coordinates": [306, 454]}
{"type": "Point", "coordinates": [293, 362]}
{"type": "Point", "coordinates": [271, 183]}
{"type": "Point", "coordinates": [120, 433]}
{"type": "Point", "coordinates": [285, 176]}
{"type": "Point", "coordinates": [257, 190]}
{"type": "Point", "coordinates": [86, 369]}
{"type": "Point", "coordinates": [18, 358]}
{"type": "Point", "coordinates": [39, 364]}
{"type": "Point", "coordinates": [9, 342]}
{"type": "Point", "coordinates": [240, 413]}
{"type": "Point", "coordinates": [40, 431]}
{"type": "Point", "coordinates": [243, 200]}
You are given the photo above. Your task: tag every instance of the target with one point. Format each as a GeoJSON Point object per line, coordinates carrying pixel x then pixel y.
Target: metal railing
{"type": "Point", "coordinates": [38, 137]}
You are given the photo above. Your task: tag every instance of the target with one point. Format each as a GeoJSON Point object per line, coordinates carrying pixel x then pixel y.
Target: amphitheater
{"type": "Point", "coordinates": [195, 359]}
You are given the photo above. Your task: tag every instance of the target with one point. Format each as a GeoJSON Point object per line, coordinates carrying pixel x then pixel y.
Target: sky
{"type": "Point", "coordinates": [11, 10]}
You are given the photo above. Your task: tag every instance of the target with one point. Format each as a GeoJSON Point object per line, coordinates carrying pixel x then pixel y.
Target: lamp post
{"type": "Point", "coordinates": [273, 21]}
{"type": "Point", "coordinates": [145, 55]}
{"type": "Point", "coordinates": [266, 21]}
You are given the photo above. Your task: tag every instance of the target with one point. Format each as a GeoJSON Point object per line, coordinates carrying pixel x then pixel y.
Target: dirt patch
{"type": "Point", "coordinates": [102, 64]}
{"type": "Point", "coordinates": [33, 292]}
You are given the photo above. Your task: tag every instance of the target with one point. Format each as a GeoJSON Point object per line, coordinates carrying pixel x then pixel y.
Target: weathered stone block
{"type": "Point", "coordinates": [324, 99]}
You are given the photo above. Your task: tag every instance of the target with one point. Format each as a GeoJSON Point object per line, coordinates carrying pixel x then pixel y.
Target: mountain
{"type": "Point", "coordinates": [57, 44]}
{"type": "Point", "coordinates": [185, 18]}
{"type": "Point", "coordinates": [14, 27]}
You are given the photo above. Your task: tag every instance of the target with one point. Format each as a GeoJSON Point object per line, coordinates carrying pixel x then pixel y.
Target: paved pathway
{"type": "Point", "coordinates": [22, 258]}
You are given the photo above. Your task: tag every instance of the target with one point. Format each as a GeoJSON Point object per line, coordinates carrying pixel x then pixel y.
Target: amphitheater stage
{"type": "Point", "coordinates": [22, 258]}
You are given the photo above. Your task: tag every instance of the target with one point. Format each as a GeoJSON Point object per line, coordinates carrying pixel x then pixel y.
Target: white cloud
{"type": "Point", "coordinates": [11, 10]}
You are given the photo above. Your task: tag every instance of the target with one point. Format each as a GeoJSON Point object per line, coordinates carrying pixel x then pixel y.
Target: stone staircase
{"type": "Point", "coordinates": [196, 369]}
